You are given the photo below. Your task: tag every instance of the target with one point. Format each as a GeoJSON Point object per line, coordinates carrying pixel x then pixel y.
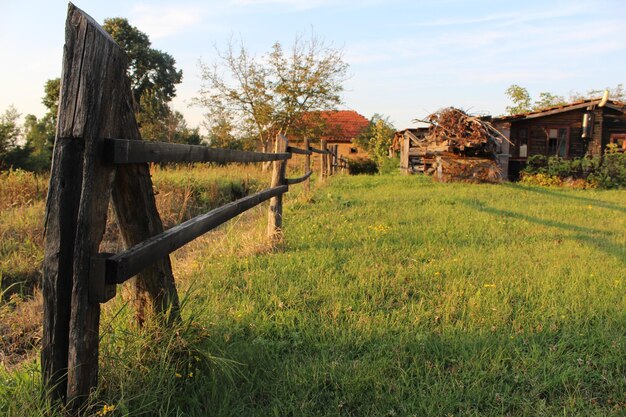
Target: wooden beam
{"type": "Point", "coordinates": [307, 166]}
{"type": "Point", "coordinates": [123, 151]}
{"type": "Point", "coordinates": [304, 151]}
{"type": "Point", "coordinates": [275, 213]}
{"type": "Point", "coordinates": [324, 160]}
{"type": "Point", "coordinates": [315, 150]}
{"type": "Point", "coordinates": [94, 96]}
{"type": "Point", "coordinates": [125, 265]}
{"type": "Point", "coordinates": [291, 181]}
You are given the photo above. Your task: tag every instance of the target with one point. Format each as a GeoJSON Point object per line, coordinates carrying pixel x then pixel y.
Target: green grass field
{"type": "Point", "coordinates": [393, 296]}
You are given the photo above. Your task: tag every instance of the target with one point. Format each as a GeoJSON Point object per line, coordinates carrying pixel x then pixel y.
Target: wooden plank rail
{"type": "Point", "coordinates": [123, 151]}
{"type": "Point", "coordinates": [299, 151]}
{"type": "Point", "coordinates": [316, 150]}
{"type": "Point", "coordinates": [292, 181]}
{"type": "Point", "coordinates": [125, 265]}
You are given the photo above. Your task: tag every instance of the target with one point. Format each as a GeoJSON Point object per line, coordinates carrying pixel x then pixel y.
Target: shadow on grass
{"type": "Point", "coordinates": [343, 372]}
{"type": "Point", "coordinates": [562, 194]}
{"type": "Point", "coordinates": [583, 234]}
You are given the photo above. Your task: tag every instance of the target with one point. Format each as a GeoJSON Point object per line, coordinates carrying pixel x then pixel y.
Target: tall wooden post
{"type": "Point", "coordinates": [95, 103]}
{"type": "Point", "coordinates": [329, 161]}
{"type": "Point", "coordinates": [275, 216]}
{"type": "Point", "coordinates": [90, 105]}
{"type": "Point", "coordinates": [335, 158]}
{"type": "Point", "coordinates": [324, 160]}
{"type": "Point", "coordinates": [307, 166]}
{"type": "Point", "coordinates": [404, 154]}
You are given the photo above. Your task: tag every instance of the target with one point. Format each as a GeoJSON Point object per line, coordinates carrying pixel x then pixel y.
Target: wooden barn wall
{"type": "Point", "coordinates": [537, 140]}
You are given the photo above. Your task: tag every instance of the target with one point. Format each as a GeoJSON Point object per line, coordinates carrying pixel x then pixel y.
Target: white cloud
{"type": "Point", "coordinates": [160, 21]}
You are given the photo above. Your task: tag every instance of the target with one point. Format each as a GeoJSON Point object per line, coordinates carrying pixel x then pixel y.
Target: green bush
{"type": "Point", "coordinates": [389, 165]}
{"type": "Point", "coordinates": [362, 166]}
{"type": "Point", "coordinates": [608, 171]}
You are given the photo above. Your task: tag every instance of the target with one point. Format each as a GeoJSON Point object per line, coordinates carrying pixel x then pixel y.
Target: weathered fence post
{"type": "Point", "coordinates": [90, 105]}
{"type": "Point", "coordinates": [324, 160]}
{"type": "Point", "coordinates": [329, 161]}
{"type": "Point", "coordinates": [275, 217]}
{"type": "Point", "coordinates": [404, 154]}
{"type": "Point", "coordinates": [335, 158]}
{"type": "Point", "coordinates": [95, 103]}
{"type": "Point", "coordinates": [307, 166]}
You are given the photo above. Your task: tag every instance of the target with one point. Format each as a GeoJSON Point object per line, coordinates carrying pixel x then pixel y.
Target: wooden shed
{"type": "Point", "coordinates": [569, 131]}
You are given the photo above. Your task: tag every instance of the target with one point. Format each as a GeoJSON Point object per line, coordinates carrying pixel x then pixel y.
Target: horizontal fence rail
{"type": "Point", "coordinates": [123, 151]}
{"type": "Point", "coordinates": [316, 150]}
{"type": "Point", "coordinates": [292, 149]}
{"type": "Point", "coordinates": [123, 266]}
{"type": "Point", "coordinates": [292, 181]}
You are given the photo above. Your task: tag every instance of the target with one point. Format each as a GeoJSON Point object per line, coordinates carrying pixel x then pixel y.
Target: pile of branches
{"type": "Point", "coordinates": [453, 130]}
{"type": "Point", "coordinates": [464, 147]}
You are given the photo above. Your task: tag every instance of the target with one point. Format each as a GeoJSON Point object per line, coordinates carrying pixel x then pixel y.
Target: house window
{"type": "Point", "coordinates": [619, 139]}
{"type": "Point", "coordinates": [522, 142]}
{"type": "Point", "coordinates": [558, 141]}
{"type": "Point", "coordinates": [354, 150]}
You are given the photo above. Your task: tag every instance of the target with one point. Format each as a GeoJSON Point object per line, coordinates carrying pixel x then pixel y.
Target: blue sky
{"type": "Point", "coordinates": [407, 58]}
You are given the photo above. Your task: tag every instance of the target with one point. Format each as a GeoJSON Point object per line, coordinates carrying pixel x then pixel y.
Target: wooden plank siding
{"type": "Point", "coordinates": [537, 137]}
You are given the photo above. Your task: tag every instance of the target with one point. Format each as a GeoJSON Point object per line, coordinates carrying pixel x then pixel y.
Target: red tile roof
{"type": "Point", "coordinates": [339, 125]}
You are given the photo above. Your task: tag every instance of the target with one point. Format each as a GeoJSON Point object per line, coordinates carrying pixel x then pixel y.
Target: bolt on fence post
{"type": "Point", "coordinates": [275, 216]}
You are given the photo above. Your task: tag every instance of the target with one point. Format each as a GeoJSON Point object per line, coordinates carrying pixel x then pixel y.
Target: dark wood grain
{"type": "Point", "coordinates": [316, 150]}
{"type": "Point", "coordinates": [123, 151]}
{"type": "Point", "coordinates": [324, 160]}
{"type": "Point", "coordinates": [307, 166]}
{"type": "Point", "coordinates": [275, 214]}
{"type": "Point", "coordinates": [298, 180]}
{"type": "Point", "coordinates": [299, 151]}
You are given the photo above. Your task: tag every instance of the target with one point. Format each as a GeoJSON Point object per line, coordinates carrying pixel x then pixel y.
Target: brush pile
{"type": "Point", "coordinates": [459, 147]}
{"type": "Point", "coordinates": [465, 169]}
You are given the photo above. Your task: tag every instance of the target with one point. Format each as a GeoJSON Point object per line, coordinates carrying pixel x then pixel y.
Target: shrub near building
{"type": "Point", "coordinates": [606, 172]}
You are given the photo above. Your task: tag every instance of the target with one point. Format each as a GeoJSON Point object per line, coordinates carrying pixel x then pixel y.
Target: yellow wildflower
{"type": "Point", "coordinates": [106, 410]}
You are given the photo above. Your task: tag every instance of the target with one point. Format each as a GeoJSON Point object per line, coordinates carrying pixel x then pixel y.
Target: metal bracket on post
{"type": "Point", "coordinates": [100, 291]}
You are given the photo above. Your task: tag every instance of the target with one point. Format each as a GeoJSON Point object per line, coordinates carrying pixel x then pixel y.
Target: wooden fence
{"type": "Point", "coordinates": [99, 156]}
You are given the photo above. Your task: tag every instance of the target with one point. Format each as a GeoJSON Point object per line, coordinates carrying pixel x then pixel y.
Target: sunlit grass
{"type": "Point", "coordinates": [393, 296]}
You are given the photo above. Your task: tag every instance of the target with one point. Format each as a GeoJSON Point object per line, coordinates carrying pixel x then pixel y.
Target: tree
{"type": "Point", "coordinates": [10, 130]}
{"type": "Point", "coordinates": [150, 70]}
{"type": "Point", "coordinates": [39, 135]}
{"type": "Point", "coordinates": [153, 77]}
{"type": "Point", "coordinates": [615, 93]}
{"type": "Point", "coordinates": [271, 93]}
{"type": "Point", "coordinates": [377, 138]}
{"type": "Point", "coordinates": [13, 154]}
{"type": "Point", "coordinates": [520, 98]}
{"type": "Point", "coordinates": [52, 90]}
{"type": "Point", "coordinates": [548, 100]}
